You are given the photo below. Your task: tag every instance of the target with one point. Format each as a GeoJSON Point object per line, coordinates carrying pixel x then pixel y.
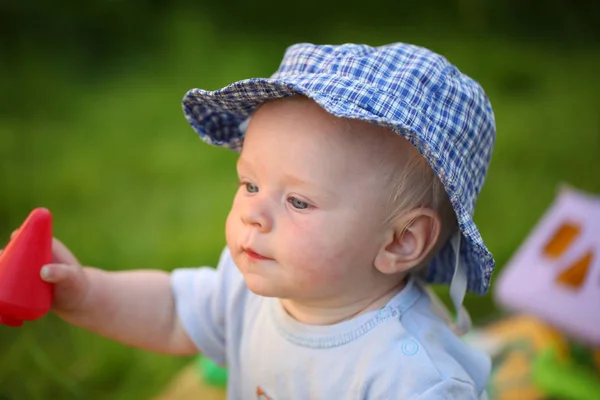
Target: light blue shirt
{"type": "Point", "coordinates": [402, 351]}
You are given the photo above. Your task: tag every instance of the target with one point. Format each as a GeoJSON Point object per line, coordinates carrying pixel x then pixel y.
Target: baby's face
{"type": "Point", "coordinates": [306, 221]}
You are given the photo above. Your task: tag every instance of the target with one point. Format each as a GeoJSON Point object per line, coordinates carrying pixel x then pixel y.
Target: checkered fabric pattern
{"type": "Point", "coordinates": [409, 89]}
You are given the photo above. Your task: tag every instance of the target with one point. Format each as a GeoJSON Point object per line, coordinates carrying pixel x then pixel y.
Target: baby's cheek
{"type": "Point", "coordinates": [232, 227]}
{"type": "Point", "coordinates": [319, 260]}
{"type": "Point", "coordinates": [321, 277]}
{"type": "Point", "coordinates": [308, 247]}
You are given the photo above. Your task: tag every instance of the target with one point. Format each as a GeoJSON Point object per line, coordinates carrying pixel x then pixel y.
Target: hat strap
{"type": "Point", "coordinates": [458, 287]}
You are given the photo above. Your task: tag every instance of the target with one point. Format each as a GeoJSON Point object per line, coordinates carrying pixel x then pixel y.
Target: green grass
{"type": "Point", "coordinates": [131, 186]}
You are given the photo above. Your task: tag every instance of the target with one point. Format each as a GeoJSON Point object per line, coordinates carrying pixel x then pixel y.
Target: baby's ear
{"type": "Point", "coordinates": [409, 241]}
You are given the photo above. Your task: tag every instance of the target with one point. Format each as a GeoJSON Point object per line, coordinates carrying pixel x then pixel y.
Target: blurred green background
{"type": "Point", "coordinates": [91, 127]}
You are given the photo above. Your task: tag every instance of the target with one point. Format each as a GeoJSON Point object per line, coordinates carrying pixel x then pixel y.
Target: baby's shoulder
{"type": "Point", "coordinates": [419, 355]}
{"type": "Point", "coordinates": [406, 369]}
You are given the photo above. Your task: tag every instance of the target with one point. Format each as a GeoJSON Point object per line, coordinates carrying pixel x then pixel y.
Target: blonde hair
{"type": "Point", "coordinates": [414, 184]}
{"type": "Point", "coordinates": [407, 177]}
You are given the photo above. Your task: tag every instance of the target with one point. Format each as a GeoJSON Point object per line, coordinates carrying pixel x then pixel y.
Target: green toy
{"type": "Point", "coordinates": [211, 373]}
{"type": "Point", "coordinates": [564, 379]}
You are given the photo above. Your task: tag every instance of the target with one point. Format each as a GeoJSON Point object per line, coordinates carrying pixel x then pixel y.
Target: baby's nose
{"type": "Point", "coordinates": [257, 215]}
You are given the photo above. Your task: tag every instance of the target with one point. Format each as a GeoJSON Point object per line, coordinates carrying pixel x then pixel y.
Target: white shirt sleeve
{"type": "Point", "coordinates": [203, 300]}
{"type": "Point", "coordinates": [450, 389]}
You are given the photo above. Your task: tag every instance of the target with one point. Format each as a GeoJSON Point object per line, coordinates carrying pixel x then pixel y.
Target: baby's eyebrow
{"type": "Point", "coordinates": [242, 162]}
{"type": "Point", "coordinates": [294, 180]}
{"type": "Point", "coordinates": [298, 181]}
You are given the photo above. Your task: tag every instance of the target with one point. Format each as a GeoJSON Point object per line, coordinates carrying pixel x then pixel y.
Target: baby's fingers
{"type": "Point", "coordinates": [61, 254]}
{"type": "Point", "coordinates": [58, 273]}
{"type": "Point", "coordinates": [70, 285]}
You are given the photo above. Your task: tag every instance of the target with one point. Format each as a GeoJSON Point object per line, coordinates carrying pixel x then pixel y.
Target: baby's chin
{"type": "Point", "coordinates": [262, 286]}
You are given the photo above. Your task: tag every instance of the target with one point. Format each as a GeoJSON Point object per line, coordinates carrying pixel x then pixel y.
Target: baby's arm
{"type": "Point", "coordinates": [133, 307]}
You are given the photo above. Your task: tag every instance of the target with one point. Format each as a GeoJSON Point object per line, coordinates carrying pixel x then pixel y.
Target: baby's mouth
{"type": "Point", "coordinates": [253, 254]}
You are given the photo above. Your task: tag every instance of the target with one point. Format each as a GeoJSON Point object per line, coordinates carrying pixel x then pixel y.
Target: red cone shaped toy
{"type": "Point", "coordinates": [23, 294]}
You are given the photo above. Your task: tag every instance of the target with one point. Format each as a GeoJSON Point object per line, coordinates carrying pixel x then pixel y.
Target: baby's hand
{"type": "Point", "coordinates": [67, 275]}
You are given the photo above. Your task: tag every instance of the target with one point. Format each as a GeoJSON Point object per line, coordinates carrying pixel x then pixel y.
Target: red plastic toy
{"type": "Point", "coordinates": [23, 294]}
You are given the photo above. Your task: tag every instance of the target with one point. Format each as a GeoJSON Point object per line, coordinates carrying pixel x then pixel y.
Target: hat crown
{"type": "Point", "coordinates": [454, 120]}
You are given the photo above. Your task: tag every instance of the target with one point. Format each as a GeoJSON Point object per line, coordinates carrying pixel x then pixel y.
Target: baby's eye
{"type": "Point", "coordinates": [250, 187]}
{"type": "Point", "coordinates": [299, 204]}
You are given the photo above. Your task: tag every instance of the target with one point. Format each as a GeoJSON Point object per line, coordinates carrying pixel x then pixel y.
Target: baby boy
{"type": "Point", "coordinates": [359, 170]}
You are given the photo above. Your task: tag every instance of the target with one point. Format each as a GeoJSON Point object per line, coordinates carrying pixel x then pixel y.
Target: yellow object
{"type": "Point", "coordinates": [530, 330]}
{"type": "Point", "coordinates": [516, 341]}
{"type": "Point", "coordinates": [513, 379]}
{"type": "Point", "coordinates": [188, 385]}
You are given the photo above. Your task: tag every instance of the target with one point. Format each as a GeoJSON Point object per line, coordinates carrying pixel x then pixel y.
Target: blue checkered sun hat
{"type": "Point", "coordinates": [409, 89]}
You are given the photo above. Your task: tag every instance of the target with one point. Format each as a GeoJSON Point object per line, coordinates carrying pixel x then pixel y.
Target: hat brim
{"type": "Point", "coordinates": [217, 115]}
